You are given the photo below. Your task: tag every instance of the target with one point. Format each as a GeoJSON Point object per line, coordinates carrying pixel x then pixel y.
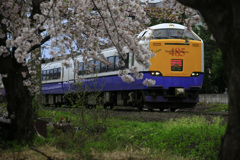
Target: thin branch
{"type": "Point", "coordinates": [110, 37]}
{"type": "Point", "coordinates": [38, 45]}
{"type": "Point", "coordinates": [112, 19]}
{"type": "Point", "coordinates": [48, 157]}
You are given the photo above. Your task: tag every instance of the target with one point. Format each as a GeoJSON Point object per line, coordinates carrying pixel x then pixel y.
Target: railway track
{"type": "Point", "coordinates": [129, 113]}
{"type": "Point", "coordinates": [132, 114]}
{"type": "Point", "coordinates": [187, 110]}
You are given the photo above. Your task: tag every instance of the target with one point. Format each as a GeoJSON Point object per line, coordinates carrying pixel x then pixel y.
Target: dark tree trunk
{"type": "Point", "coordinates": [18, 96]}
{"type": "Point", "coordinates": [19, 107]}
{"type": "Point", "coordinates": [223, 20]}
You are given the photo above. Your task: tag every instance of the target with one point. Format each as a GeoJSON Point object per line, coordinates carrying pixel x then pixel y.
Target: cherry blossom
{"type": "Point", "coordinates": [149, 82]}
{"type": "Point", "coordinates": [84, 26]}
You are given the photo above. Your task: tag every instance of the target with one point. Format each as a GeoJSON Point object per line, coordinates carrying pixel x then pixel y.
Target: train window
{"type": "Point", "coordinates": [85, 69]}
{"type": "Point", "coordinates": [126, 61]}
{"type": "Point", "coordinates": [59, 73]}
{"type": "Point", "coordinates": [173, 34]}
{"type": "Point", "coordinates": [116, 66]}
{"type": "Point", "coordinates": [97, 69]}
{"type": "Point", "coordinates": [47, 74]}
{"type": "Point", "coordinates": [176, 33]}
{"type": "Point", "coordinates": [81, 68]}
{"type": "Point", "coordinates": [144, 33]}
{"type": "Point", "coordinates": [111, 67]}
{"type": "Point", "coordinates": [176, 65]}
{"type": "Point", "coordinates": [132, 59]}
{"type": "Point", "coordinates": [55, 73]}
{"type": "Point", "coordinates": [103, 67]}
{"type": "Point", "coordinates": [50, 74]}
{"type": "Point", "coordinates": [44, 75]}
{"type": "Point", "coordinates": [160, 34]}
{"type": "Point", "coordinates": [189, 35]}
{"type": "Point", "coordinates": [91, 67]}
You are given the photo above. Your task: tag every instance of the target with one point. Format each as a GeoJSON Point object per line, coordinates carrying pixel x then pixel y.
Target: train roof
{"type": "Point", "coordinates": [55, 64]}
{"type": "Point", "coordinates": [168, 25]}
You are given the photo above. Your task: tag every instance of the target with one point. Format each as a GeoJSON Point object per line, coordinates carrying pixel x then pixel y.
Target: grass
{"type": "Point", "coordinates": [3, 108]}
{"type": "Point", "coordinates": [187, 137]}
{"type": "Point", "coordinates": [115, 138]}
{"type": "Point", "coordinates": [216, 107]}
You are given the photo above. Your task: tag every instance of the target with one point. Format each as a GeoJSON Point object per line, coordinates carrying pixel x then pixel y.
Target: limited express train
{"type": "Point", "coordinates": [177, 68]}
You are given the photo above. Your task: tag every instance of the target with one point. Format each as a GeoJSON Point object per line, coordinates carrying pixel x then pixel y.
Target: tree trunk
{"type": "Point", "coordinates": [37, 100]}
{"type": "Point", "coordinates": [19, 107]}
{"type": "Point", "coordinates": [222, 18]}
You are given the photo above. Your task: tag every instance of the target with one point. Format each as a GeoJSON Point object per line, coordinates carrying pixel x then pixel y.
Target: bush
{"type": "Point", "coordinates": [72, 129]}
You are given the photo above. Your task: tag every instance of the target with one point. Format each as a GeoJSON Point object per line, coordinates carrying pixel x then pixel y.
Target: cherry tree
{"type": "Point", "coordinates": [73, 25]}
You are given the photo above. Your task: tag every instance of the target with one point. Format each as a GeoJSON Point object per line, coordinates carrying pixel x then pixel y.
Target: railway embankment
{"type": "Point", "coordinates": [130, 134]}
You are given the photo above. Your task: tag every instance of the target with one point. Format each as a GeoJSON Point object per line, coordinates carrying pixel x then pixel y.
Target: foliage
{"type": "Point", "coordinates": [83, 126]}
{"type": "Point", "coordinates": [164, 15]}
{"type": "Point", "coordinates": [213, 72]}
{"type": "Point", "coordinates": [36, 105]}
{"type": "Point", "coordinates": [3, 108]}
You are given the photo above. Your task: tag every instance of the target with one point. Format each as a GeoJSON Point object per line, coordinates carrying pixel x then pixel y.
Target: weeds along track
{"type": "Point", "coordinates": [156, 115]}
{"type": "Point", "coordinates": [132, 114]}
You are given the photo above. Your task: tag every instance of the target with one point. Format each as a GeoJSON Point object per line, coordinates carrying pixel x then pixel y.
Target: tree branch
{"type": "Point", "coordinates": [48, 157]}
{"type": "Point", "coordinates": [36, 8]}
{"type": "Point", "coordinates": [38, 45]}
{"type": "Point", "coordinates": [105, 26]}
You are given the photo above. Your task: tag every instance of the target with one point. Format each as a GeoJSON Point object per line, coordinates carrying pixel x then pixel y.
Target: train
{"type": "Point", "coordinates": [177, 69]}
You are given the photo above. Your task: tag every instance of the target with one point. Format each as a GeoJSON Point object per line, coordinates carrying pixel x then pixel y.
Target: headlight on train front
{"type": "Point", "coordinates": [156, 73]}
{"type": "Point", "coordinates": [195, 74]}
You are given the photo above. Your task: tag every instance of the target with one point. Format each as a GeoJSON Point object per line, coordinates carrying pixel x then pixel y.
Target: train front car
{"type": "Point", "coordinates": [177, 68]}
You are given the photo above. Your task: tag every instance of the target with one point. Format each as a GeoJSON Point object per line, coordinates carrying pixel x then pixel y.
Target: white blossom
{"type": "Point", "coordinates": [127, 78]}
{"type": "Point", "coordinates": [149, 82]}
{"type": "Point", "coordinates": [66, 63]}
{"type": "Point", "coordinates": [121, 63]}
{"type": "Point", "coordinates": [122, 72]}
{"type": "Point", "coordinates": [73, 25]}
{"type": "Point", "coordinates": [24, 74]}
{"type": "Point", "coordinates": [139, 76]}
{"type": "Point", "coordinates": [27, 83]}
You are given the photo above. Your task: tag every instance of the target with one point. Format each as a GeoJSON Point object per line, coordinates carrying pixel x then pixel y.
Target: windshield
{"type": "Point", "coordinates": [173, 34]}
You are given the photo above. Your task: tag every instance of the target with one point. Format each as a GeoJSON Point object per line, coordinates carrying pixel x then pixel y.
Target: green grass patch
{"type": "Point", "coordinates": [189, 137]}
{"type": "Point", "coordinates": [3, 108]}
{"type": "Point", "coordinates": [216, 107]}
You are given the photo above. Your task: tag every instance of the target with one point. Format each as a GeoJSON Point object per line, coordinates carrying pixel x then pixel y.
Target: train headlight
{"type": "Point", "coordinates": [156, 73]}
{"type": "Point", "coordinates": [195, 74]}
